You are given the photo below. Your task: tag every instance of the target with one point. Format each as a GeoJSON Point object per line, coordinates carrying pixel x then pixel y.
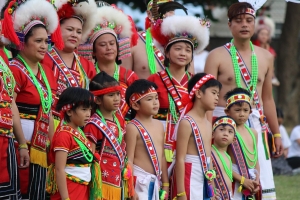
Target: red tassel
{"type": "Point", "coordinates": [8, 26]}
{"type": "Point", "coordinates": [57, 38]}
{"type": "Point", "coordinates": [135, 36]}
{"type": "Point", "coordinates": [158, 36]}
{"type": "Point", "coordinates": [147, 23]}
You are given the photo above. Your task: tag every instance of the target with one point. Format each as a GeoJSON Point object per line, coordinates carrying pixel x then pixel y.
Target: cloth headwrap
{"type": "Point", "coordinates": [107, 90]}
{"type": "Point", "coordinates": [238, 98]}
{"type": "Point", "coordinates": [225, 121]}
{"type": "Point", "coordinates": [135, 97]}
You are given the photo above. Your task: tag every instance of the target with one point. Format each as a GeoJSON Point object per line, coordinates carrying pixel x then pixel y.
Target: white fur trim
{"type": "Point", "coordinates": [108, 13]}
{"type": "Point", "coordinates": [36, 8]}
{"type": "Point", "coordinates": [180, 24]}
{"type": "Point", "coordinates": [59, 3]}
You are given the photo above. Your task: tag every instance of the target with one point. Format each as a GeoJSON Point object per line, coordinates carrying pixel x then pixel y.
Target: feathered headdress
{"type": "Point", "coordinates": [3, 39]}
{"type": "Point", "coordinates": [110, 19]}
{"type": "Point", "coordinates": [20, 16]}
{"type": "Point", "coordinates": [264, 22]}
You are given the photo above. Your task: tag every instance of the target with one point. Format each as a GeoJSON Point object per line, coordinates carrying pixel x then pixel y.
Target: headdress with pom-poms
{"type": "Point", "coordinates": [20, 16]}
{"type": "Point", "coordinates": [110, 19]}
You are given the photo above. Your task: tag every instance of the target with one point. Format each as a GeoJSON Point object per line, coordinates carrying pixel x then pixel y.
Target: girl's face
{"type": "Point", "coordinates": [105, 48]}
{"type": "Point", "coordinates": [109, 102]}
{"type": "Point", "coordinates": [263, 36]}
{"type": "Point", "coordinates": [180, 54]}
{"type": "Point", "coordinates": [71, 30]}
{"type": "Point", "coordinates": [80, 116]}
{"type": "Point", "coordinates": [36, 46]}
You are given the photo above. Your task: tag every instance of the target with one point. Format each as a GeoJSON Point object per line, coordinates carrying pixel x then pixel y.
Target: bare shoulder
{"type": "Point", "coordinates": [254, 132]}
{"type": "Point", "coordinates": [158, 124]}
{"type": "Point", "coordinates": [265, 53]}
{"type": "Point", "coordinates": [140, 45]}
{"type": "Point", "coordinates": [217, 51]}
{"type": "Point", "coordinates": [184, 125]}
{"type": "Point", "coordinates": [131, 129]}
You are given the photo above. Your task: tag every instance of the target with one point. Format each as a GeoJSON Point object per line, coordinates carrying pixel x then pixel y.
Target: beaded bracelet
{"type": "Point", "coordinates": [165, 184]}
{"type": "Point", "coordinates": [23, 146]}
{"type": "Point", "coordinates": [241, 184]}
{"type": "Point", "coordinates": [181, 194]}
{"type": "Point", "coordinates": [277, 135]}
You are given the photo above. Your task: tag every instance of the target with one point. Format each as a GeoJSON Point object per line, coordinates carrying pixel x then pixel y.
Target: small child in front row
{"type": "Point", "coordinates": [223, 135]}
{"type": "Point", "coordinates": [193, 177]}
{"type": "Point", "coordinates": [243, 151]}
{"type": "Point", "coordinates": [74, 173]}
{"type": "Point", "coordinates": [145, 142]}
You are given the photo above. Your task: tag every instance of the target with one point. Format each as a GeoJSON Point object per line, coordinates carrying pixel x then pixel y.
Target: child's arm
{"type": "Point", "coordinates": [183, 135]}
{"type": "Point", "coordinates": [60, 164]}
{"type": "Point", "coordinates": [164, 166]}
{"type": "Point", "coordinates": [248, 183]}
{"type": "Point", "coordinates": [257, 167]}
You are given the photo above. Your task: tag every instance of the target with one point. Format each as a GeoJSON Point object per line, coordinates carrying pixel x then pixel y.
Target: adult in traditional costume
{"type": "Point", "coordinates": [27, 25]}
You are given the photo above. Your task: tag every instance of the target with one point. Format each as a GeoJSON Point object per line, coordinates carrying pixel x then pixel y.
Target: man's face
{"type": "Point", "coordinates": [242, 26]}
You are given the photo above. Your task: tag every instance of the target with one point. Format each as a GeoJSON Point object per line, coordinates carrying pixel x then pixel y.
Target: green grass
{"type": "Point", "coordinates": [287, 187]}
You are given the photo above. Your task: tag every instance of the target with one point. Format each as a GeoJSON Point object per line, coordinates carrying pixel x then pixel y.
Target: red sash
{"type": "Point", "coordinates": [247, 79]}
{"type": "Point", "coordinates": [219, 180]}
{"type": "Point", "coordinates": [149, 146]}
{"type": "Point", "coordinates": [159, 56]}
{"type": "Point", "coordinates": [110, 137]}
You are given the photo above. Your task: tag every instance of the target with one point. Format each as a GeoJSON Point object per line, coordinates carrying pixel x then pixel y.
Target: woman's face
{"type": "Point", "coordinates": [36, 46]}
{"type": "Point", "coordinates": [263, 36]}
{"type": "Point", "coordinates": [105, 48]}
{"type": "Point", "coordinates": [180, 54]}
{"type": "Point", "coordinates": [71, 30]}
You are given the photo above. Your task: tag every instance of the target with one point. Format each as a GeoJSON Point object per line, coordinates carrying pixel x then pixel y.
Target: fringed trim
{"type": "Point", "coordinates": [96, 182]}
{"type": "Point", "coordinates": [169, 155]}
{"type": "Point", "coordinates": [38, 157]}
{"type": "Point", "coordinates": [111, 192]}
{"type": "Point", "coordinates": [51, 186]}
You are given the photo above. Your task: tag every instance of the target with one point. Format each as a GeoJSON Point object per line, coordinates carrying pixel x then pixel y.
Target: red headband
{"type": "Point", "coordinates": [107, 90]}
{"type": "Point", "coordinates": [135, 97]}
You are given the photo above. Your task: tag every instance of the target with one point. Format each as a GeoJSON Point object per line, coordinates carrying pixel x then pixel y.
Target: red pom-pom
{"type": "Point", "coordinates": [8, 26]}
{"type": "Point", "coordinates": [66, 11]}
{"type": "Point", "coordinates": [135, 36]}
{"type": "Point", "coordinates": [147, 23]}
{"type": "Point", "coordinates": [158, 36]}
{"type": "Point", "coordinates": [56, 38]}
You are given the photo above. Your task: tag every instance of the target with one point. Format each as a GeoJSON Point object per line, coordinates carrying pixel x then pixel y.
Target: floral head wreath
{"type": "Point", "coordinates": [225, 121]}
{"type": "Point", "coordinates": [110, 19]}
{"type": "Point", "coordinates": [20, 16]}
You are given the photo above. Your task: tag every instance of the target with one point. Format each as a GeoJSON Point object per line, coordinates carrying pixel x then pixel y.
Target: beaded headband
{"type": "Point", "coordinates": [225, 121]}
{"type": "Point", "coordinates": [107, 90]}
{"type": "Point", "coordinates": [199, 84]}
{"type": "Point", "coordinates": [149, 6]}
{"type": "Point", "coordinates": [135, 97]}
{"type": "Point", "coordinates": [238, 98]}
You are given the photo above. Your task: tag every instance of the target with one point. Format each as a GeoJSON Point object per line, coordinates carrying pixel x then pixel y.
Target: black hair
{"type": "Point", "coordinates": [101, 81]}
{"type": "Point", "coordinates": [234, 92]}
{"type": "Point", "coordinates": [3, 9]}
{"type": "Point", "coordinates": [167, 60]}
{"type": "Point", "coordinates": [211, 83]}
{"type": "Point", "coordinates": [76, 97]}
{"type": "Point", "coordinates": [137, 86]}
{"type": "Point", "coordinates": [118, 62]}
{"type": "Point", "coordinates": [279, 113]}
{"type": "Point", "coordinates": [221, 117]}
{"type": "Point", "coordinates": [237, 9]}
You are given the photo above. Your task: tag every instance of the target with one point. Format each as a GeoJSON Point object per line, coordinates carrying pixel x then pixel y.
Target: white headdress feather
{"type": "Point", "coordinates": [256, 4]}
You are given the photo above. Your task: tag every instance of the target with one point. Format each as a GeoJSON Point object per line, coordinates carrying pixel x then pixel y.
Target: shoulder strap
{"type": "Point", "coordinates": [149, 146]}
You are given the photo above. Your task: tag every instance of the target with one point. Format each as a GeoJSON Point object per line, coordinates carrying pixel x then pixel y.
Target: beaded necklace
{"type": "Point", "coordinates": [7, 76]}
{"type": "Point", "coordinates": [254, 64]}
{"type": "Point", "coordinates": [116, 72]}
{"type": "Point", "coordinates": [45, 101]}
{"type": "Point", "coordinates": [117, 122]}
{"type": "Point", "coordinates": [172, 106]}
{"type": "Point", "coordinates": [150, 52]}
{"type": "Point", "coordinates": [88, 155]}
{"type": "Point", "coordinates": [227, 169]}
{"type": "Point", "coordinates": [246, 150]}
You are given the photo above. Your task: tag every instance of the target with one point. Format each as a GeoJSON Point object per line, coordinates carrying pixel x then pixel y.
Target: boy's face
{"type": "Point", "coordinates": [148, 105]}
{"type": "Point", "coordinates": [80, 116]}
{"type": "Point", "coordinates": [110, 101]}
{"type": "Point", "coordinates": [210, 97]}
{"type": "Point", "coordinates": [239, 112]}
{"type": "Point", "coordinates": [223, 135]}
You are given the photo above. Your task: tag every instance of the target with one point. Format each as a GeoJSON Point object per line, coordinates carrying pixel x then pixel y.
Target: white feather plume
{"type": "Point", "coordinates": [111, 14]}
{"type": "Point", "coordinates": [256, 4]}
{"type": "Point", "coordinates": [59, 3]}
{"type": "Point", "coordinates": [36, 8]}
{"type": "Point", "coordinates": [179, 24]}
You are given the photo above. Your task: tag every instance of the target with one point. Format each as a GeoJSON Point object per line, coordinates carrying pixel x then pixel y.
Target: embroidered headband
{"type": "Point", "coordinates": [238, 98]}
{"type": "Point", "coordinates": [199, 84]}
{"type": "Point", "coordinates": [135, 97]}
{"type": "Point", "coordinates": [225, 121]}
{"type": "Point", "coordinates": [107, 90]}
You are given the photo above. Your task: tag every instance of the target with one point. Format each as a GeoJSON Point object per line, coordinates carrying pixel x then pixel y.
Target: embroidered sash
{"type": "Point", "coordinates": [110, 137]}
{"type": "Point", "coordinates": [219, 180]}
{"type": "Point", "coordinates": [149, 146]}
{"type": "Point", "coordinates": [247, 79]}
{"type": "Point", "coordinates": [159, 56]}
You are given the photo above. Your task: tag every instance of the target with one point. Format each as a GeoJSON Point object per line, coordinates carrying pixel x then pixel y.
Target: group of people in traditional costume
{"type": "Point", "coordinates": [76, 124]}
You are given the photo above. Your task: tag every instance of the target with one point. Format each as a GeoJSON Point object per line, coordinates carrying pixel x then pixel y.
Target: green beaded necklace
{"type": "Point", "coordinates": [88, 155]}
{"type": "Point", "coordinates": [172, 105]}
{"type": "Point", "coordinates": [120, 137]}
{"type": "Point", "coordinates": [236, 67]}
{"type": "Point", "coordinates": [227, 169]}
{"type": "Point", "coordinates": [116, 72]}
{"type": "Point", "coordinates": [45, 101]}
{"type": "Point", "coordinates": [246, 150]}
{"type": "Point", "coordinates": [7, 75]}
{"type": "Point", "coordinates": [150, 52]}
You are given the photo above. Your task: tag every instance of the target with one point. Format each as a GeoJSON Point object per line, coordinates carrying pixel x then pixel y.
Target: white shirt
{"type": "Point", "coordinates": [294, 150]}
{"type": "Point", "coordinates": [199, 61]}
{"type": "Point", "coordinates": [284, 137]}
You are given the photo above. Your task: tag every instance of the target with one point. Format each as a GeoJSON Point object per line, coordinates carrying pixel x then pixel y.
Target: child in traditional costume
{"type": "Point", "coordinates": [110, 39]}
{"type": "Point", "coordinates": [180, 36]}
{"type": "Point", "coordinates": [223, 135]}
{"type": "Point", "coordinates": [69, 69]}
{"type": "Point", "coordinates": [74, 173]}
{"type": "Point", "coordinates": [28, 28]}
{"type": "Point", "coordinates": [243, 150]}
{"type": "Point", "coordinates": [193, 175]}
{"type": "Point", "coordinates": [105, 130]}
{"type": "Point", "coordinates": [145, 142]}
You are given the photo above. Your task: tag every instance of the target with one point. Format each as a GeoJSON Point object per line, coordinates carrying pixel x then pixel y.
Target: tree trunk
{"type": "Point", "coordinates": [288, 65]}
